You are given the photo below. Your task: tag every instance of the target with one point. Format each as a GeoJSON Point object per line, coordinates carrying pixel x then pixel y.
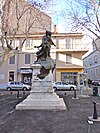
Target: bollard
{"type": "Point", "coordinates": [95, 91]}
{"type": "Point", "coordinates": [74, 97]}
{"type": "Point", "coordinates": [94, 117]}
{"type": "Point", "coordinates": [11, 92]}
{"type": "Point", "coordinates": [18, 94]}
{"type": "Point", "coordinates": [95, 114]}
{"type": "Point", "coordinates": [74, 93]}
{"type": "Point", "coordinates": [89, 122]}
{"type": "Point", "coordinates": [23, 92]}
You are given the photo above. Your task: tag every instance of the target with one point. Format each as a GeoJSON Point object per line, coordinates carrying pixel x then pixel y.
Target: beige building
{"type": "Point", "coordinates": [19, 20]}
{"type": "Point", "coordinates": [67, 54]}
{"type": "Point", "coordinates": [69, 61]}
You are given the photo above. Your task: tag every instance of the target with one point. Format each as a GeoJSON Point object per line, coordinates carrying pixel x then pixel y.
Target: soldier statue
{"type": "Point", "coordinates": [44, 52]}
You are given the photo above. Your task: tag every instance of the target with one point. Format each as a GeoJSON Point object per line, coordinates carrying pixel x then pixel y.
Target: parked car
{"type": "Point", "coordinates": [96, 82]}
{"type": "Point", "coordinates": [17, 86]}
{"type": "Point", "coordinates": [63, 86]}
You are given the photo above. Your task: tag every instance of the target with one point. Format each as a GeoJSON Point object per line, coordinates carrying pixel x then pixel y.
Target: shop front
{"type": "Point", "coordinates": [71, 76]}
{"type": "Point", "coordinates": [26, 75]}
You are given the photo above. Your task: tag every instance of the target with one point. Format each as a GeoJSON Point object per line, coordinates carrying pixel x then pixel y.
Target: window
{"type": "Point", "coordinates": [58, 83]}
{"type": "Point", "coordinates": [91, 73]}
{"type": "Point", "coordinates": [15, 43]}
{"type": "Point", "coordinates": [86, 71]}
{"type": "Point", "coordinates": [11, 76]}
{"type": "Point", "coordinates": [36, 42]}
{"type": "Point", "coordinates": [68, 43]}
{"type": "Point", "coordinates": [76, 43]}
{"type": "Point", "coordinates": [90, 61]}
{"type": "Point", "coordinates": [73, 43]}
{"type": "Point", "coordinates": [68, 58]}
{"type": "Point", "coordinates": [12, 83]}
{"type": "Point", "coordinates": [62, 43]}
{"type": "Point", "coordinates": [95, 59]}
{"type": "Point", "coordinates": [29, 44]}
{"type": "Point", "coordinates": [12, 60]}
{"type": "Point", "coordinates": [27, 58]}
{"type": "Point", "coordinates": [64, 83]}
{"type": "Point", "coordinates": [96, 72]}
{"type": "Point", "coordinates": [27, 78]}
{"type": "Point", "coordinates": [85, 63]}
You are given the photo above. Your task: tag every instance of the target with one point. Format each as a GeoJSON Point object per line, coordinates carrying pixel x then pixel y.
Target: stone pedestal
{"type": "Point", "coordinates": [42, 95]}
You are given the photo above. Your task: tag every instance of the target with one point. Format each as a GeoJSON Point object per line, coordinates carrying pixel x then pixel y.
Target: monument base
{"type": "Point", "coordinates": [92, 119]}
{"type": "Point", "coordinates": [42, 101]}
{"type": "Point", "coordinates": [42, 95]}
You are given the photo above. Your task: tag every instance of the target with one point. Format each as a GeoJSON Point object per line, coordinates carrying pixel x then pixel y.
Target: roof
{"type": "Point", "coordinates": [63, 51]}
{"type": "Point", "coordinates": [40, 34]}
{"type": "Point", "coordinates": [71, 66]}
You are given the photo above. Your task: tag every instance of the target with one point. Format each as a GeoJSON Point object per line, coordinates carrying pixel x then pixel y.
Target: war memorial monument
{"type": "Point", "coordinates": [42, 95]}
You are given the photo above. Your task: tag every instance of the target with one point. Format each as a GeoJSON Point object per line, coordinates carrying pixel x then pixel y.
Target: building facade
{"type": "Point", "coordinates": [22, 17]}
{"type": "Point", "coordinates": [67, 54]}
{"type": "Point", "coordinates": [92, 63]}
{"type": "Point", "coordinates": [19, 19]}
{"type": "Point", "coordinates": [69, 61]}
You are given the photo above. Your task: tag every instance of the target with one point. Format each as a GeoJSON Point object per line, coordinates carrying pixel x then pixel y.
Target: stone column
{"type": "Point", "coordinates": [41, 85]}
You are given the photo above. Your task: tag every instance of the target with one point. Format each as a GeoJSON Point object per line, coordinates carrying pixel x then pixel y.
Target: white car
{"type": "Point", "coordinates": [17, 86]}
{"type": "Point", "coordinates": [63, 86]}
{"type": "Point", "coordinates": [96, 82]}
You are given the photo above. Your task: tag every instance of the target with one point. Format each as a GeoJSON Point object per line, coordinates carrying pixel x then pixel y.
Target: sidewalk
{"type": "Point", "coordinates": [85, 91]}
{"type": "Point", "coordinates": [3, 86]}
{"type": "Point", "coordinates": [73, 120]}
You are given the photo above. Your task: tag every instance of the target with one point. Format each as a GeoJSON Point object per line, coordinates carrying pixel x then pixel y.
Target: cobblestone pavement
{"type": "Point", "coordinates": [73, 120]}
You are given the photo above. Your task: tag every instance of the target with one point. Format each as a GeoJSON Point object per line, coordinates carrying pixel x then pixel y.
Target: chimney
{"type": "Point", "coordinates": [55, 29]}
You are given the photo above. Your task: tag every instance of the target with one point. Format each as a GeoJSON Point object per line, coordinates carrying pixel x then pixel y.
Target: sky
{"type": "Point", "coordinates": [57, 16]}
{"type": "Point", "coordinates": [57, 19]}
{"type": "Point", "coordinates": [55, 13]}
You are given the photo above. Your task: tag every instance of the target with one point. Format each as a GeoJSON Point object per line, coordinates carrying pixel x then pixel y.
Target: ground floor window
{"type": "Point", "coordinates": [69, 77]}
{"type": "Point", "coordinates": [27, 78]}
{"type": "Point", "coordinates": [11, 76]}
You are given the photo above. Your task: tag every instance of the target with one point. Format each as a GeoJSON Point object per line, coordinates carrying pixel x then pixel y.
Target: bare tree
{"type": "Point", "coordinates": [83, 15]}
{"type": "Point", "coordinates": [17, 17]}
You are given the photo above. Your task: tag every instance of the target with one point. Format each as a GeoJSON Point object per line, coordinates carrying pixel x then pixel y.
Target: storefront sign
{"type": "Point", "coordinates": [24, 71]}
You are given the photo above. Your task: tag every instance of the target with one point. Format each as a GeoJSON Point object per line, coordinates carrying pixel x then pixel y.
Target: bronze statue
{"type": "Point", "coordinates": [44, 52]}
{"type": "Point", "coordinates": [43, 56]}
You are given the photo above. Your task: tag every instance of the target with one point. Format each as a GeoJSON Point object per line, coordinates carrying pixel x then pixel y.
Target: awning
{"type": "Point", "coordinates": [69, 70]}
{"type": "Point", "coordinates": [24, 70]}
